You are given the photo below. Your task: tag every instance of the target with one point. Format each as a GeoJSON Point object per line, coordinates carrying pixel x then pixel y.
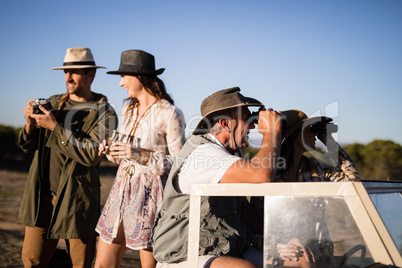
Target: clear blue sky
{"type": "Point", "coordinates": [341, 58]}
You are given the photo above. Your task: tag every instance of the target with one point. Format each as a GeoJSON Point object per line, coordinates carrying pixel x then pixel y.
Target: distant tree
{"type": "Point", "coordinates": [9, 142]}
{"type": "Point", "coordinates": [355, 150]}
{"type": "Point", "coordinates": [378, 160]}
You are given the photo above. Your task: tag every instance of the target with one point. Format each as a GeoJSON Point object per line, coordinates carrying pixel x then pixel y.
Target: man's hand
{"type": "Point", "coordinates": [28, 110]}
{"type": "Point", "coordinates": [45, 120]}
{"type": "Point", "coordinates": [270, 126]}
{"type": "Point", "coordinates": [269, 121]}
{"type": "Point", "coordinates": [29, 121]}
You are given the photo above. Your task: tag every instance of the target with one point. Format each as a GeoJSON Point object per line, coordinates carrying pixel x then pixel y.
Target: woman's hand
{"type": "Point", "coordinates": [295, 254]}
{"type": "Point", "coordinates": [121, 150]}
{"type": "Point", "coordinates": [104, 147]}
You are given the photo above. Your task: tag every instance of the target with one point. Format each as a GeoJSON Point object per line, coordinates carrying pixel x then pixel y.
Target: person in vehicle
{"type": "Point", "coordinates": [211, 155]}
{"type": "Point", "coordinates": [298, 137]}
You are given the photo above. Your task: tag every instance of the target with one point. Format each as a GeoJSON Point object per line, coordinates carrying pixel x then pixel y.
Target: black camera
{"type": "Point", "coordinates": [324, 127]}
{"type": "Point", "coordinates": [44, 102]}
{"type": "Point", "coordinates": [254, 116]}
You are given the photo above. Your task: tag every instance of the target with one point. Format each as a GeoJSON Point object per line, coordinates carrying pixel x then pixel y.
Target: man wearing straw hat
{"type": "Point", "coordinates": [211, 155]}
{"type": "Point", "coordinates": [62, 193]}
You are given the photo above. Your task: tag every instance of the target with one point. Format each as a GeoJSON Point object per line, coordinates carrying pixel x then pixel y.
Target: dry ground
{"type": "Point", "coordinates": [12, 185]}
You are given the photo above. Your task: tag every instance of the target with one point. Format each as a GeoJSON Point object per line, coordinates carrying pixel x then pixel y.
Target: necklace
{"type": "Point", "coordinates": [137, 122]}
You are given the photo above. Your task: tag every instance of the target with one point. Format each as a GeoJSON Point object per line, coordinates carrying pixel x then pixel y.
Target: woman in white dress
{"type": "Point", "coordinates": [151, 135]}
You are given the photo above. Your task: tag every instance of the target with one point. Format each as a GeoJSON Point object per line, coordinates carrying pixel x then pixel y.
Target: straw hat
{"type": "Point", "coordinates": [296, 119]}
{"type": "Point", "coordinates": [220, 101]}
{"type": "Point", "coordinates": [78, 58]}
{"type": "Point", "coordinates": [137, 62]}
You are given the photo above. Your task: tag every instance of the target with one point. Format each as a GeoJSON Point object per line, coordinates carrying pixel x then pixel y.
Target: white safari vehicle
{"type": "Point", "coordinates": [362, 218]}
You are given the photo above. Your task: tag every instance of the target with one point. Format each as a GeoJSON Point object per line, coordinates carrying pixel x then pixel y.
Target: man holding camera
{"type": "Point", "coordinates": [62, 193]}
{"type": "Point", "coordinates": [212, 156]}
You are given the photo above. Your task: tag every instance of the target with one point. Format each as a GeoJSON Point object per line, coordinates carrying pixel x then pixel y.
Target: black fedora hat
{"type": "Point", "coordinates": [137, 62]}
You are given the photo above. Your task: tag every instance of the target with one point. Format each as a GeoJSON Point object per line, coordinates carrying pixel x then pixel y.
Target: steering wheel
{"type": "Point", "coordinates": [350, 253]}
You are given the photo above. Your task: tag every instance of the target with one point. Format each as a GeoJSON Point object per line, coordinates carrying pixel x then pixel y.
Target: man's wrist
{"type": "Point", "coordinates": [53, 127]}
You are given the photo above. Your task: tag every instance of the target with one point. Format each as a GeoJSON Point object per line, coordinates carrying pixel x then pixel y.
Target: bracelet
{"type": "Point", "coordinates": [136, 156]}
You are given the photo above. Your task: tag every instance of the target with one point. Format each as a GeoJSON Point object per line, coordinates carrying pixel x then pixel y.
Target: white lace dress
{"type": "Point", "coordinates": [137, 189]}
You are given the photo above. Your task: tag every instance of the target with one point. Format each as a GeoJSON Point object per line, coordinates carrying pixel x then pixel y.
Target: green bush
{"type": "Point", "coordinates": [9, 148]}
{"type": "Point", "coordinates": [378, 160]}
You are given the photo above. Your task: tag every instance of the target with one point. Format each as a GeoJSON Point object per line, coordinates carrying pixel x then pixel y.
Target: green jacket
{"type": "Point", "coordinates": [77, 206]}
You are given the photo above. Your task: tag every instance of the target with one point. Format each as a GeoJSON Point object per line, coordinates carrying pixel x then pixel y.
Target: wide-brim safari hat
{"type": "Point", "coordinates": [78, 58]}
{"type": "Point", "coordinates": [296, 119]}
{"type": "Point", "coordinates": [137, 62]}
{"type": "Point", "coordinates": [220, 101]}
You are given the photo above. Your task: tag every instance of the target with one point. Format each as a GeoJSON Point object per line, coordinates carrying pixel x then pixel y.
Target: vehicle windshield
{"type": "Point", "coordinates": [342, 224]}
{"type": "Point", "coordinates": [324, 224]}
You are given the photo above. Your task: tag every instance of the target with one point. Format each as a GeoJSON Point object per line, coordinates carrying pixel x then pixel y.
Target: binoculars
{"type": "Point", "coordinates": [254, 116]}
{"type": "Point", "coordinates": [116, 136]}
{"type": "Point", "coordinates": [323, 127]}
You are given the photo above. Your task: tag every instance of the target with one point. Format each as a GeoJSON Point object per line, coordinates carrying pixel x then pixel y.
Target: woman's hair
{"type": "Point", "coordinates": [287, 149]}
{"type": "Point", "coordinates": [154, 86]}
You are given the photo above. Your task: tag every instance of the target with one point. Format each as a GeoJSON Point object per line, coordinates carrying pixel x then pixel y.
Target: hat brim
{"type": "Point", "coordinates": [127, 72]}
{"type": "Point", "coordinates": [78, 67]}
{"type": "Point", "coordinates": [312, 120]}
{"type": "Point", "coordinates": [204, 124]}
